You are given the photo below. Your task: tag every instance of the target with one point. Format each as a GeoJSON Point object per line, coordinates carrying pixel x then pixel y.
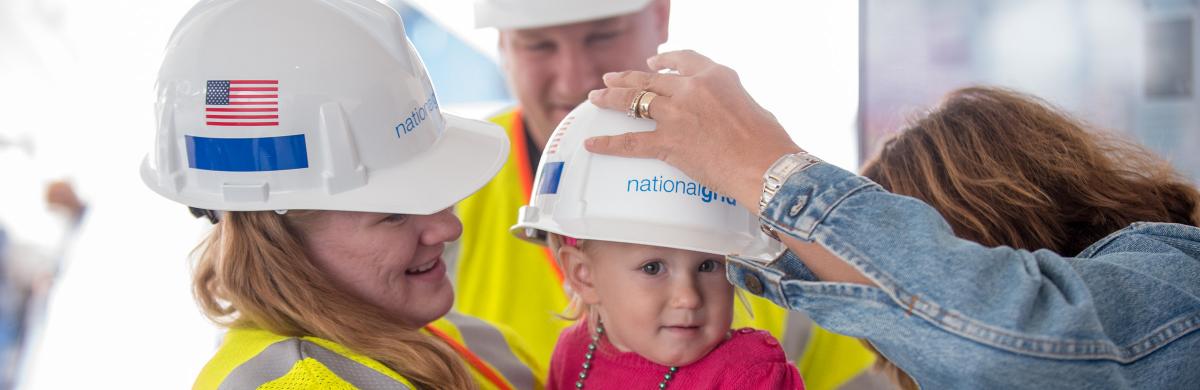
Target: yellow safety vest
{"type": "Point", "coordinates": [259, 359]}
{"type": "Point", "coordinates": [508, 281]}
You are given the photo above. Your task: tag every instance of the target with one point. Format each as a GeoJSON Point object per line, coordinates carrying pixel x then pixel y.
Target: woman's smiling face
{"type": "Point", "coordinates": [392, 261]}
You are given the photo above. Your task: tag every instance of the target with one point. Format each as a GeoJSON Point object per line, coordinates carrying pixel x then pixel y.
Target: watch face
{"type": "Point", "coordinates": [786, 165]}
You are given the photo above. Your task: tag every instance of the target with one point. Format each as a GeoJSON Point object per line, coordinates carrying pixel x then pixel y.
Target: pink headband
{"type": "Point", "coordinates": [570, 241]}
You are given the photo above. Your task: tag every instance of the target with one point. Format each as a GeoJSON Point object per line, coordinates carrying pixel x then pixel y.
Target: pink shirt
{"type": "Point", "coordinates": [749, 359]}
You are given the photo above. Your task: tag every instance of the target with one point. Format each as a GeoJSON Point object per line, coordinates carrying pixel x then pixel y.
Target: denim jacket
{"type": "Point", "coordinates": [955, 314]}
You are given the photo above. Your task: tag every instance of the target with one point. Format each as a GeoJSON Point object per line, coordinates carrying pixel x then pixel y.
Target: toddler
{"type": "Point", "coordinates": [642, 252]}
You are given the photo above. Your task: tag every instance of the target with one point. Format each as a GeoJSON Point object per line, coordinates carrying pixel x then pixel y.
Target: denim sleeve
{"type": "Point", "coordinates": [1020, 301]}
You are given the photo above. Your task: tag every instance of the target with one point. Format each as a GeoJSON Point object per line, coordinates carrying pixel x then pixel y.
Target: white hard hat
{"type": "Point", "coordinates": [642, 201]}
{"type": "Point", "coordinates": [308, 104]}
{"type": "Point", "coordinates": [518, 14]}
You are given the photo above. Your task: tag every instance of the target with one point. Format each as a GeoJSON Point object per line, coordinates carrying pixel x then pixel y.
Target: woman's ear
{"type": "Point", "coordinates": [577, 268]}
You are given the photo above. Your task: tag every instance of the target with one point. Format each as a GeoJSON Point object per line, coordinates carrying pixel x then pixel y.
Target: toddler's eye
{"type": "Point", "coordinates": [396, 219]}
{"type": "Point", "coordinates": [652, 268]}
{"type": "Point", "coordinates": [709, 265]}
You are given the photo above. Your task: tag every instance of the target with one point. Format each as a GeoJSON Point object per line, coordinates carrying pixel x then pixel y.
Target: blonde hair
{"type": "Point", "coordinates": [253, 271]}
{"type": "Point", "coordinates": [576, 308]}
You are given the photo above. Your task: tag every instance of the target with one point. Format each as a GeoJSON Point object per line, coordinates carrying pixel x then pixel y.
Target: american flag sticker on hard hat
{"type": "Point", "coordinates": [244, 103]}
{"type": "Point", "coordinates": [241, 103]}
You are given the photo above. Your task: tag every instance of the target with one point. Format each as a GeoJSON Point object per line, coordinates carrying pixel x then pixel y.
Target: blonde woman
{"type": "Point", "coordinates": [309, 132]}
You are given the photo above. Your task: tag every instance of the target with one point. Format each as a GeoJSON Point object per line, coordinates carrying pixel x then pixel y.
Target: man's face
{"type": "Point", "coordinates": [551, 69]}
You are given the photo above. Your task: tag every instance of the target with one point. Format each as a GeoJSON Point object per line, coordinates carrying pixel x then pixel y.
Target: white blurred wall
{"type": "Point", "coordinates": [121, 313]}
{"type": "Point", "coordinates": [799, 58]}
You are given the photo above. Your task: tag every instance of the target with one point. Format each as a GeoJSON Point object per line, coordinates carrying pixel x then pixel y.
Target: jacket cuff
{"type": "Point", "coordinates": [808, 196]}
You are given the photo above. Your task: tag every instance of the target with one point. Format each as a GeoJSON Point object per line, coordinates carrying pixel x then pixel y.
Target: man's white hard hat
{"type": "Point", "coordinates": [308, 104]}
{"type": "Point", "coordinates": [641, 201]}
{"type": "Point", "coordinates": [521, 14]}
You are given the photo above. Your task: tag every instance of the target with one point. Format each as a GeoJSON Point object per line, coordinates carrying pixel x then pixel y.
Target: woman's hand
{"type": "Point", "coordinates": [708, 126]}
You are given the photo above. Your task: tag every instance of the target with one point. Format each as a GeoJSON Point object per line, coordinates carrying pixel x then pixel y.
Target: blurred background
{"type": "Point", "coordinates": [1126, 66]}
{"type": "Point", "coordinates": [94, 268]}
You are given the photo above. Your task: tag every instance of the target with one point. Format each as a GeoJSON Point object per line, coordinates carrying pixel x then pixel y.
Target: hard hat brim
{"type": "Point", "coordinates": [467, 156]}
{"type": "Point", "coordinates": [666, 236]}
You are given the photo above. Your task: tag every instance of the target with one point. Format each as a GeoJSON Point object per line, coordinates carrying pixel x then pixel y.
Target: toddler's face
{"type": "Point", "coordinates": [671, 306]}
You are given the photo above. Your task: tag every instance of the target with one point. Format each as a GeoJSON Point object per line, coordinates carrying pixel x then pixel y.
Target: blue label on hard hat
{"type": "Point", "coordinates": [551, 172]}
{"type": "Point", "coordinates": [247, 154]}
{"type": "Point", "coordinates": [677, 186]}
{"type": "Point", "coordinates": [418, 115]}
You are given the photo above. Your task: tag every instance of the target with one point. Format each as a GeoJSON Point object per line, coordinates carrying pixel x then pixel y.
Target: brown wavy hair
{"type": "Point", "coordinates": [1009, 169]}
{"type": "Point", "coordinates": [253, 271]}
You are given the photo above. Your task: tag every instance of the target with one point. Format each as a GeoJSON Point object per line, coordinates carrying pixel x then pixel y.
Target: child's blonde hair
{"type": "Point", "coordinates": [576, 308]}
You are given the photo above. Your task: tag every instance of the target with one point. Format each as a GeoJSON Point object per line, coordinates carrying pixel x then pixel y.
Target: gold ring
{"type": "Point", "coordinates": [633, 105]}
{"type": "Point", "coordinates": [643, 110]}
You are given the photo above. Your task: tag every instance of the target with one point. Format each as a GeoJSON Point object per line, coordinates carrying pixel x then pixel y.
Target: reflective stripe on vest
{"type": "Point", "coordinates": [490, 345]}
{"type": "Point", "coordinates": [278, 359]}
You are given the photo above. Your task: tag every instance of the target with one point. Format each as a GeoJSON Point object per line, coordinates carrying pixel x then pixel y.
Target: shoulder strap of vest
{"type": "Point", "coordinates": [278, 359]}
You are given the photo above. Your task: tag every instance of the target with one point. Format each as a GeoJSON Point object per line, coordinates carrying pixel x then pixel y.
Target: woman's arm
{"type": "Point", "coordinates": [842, 227]}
